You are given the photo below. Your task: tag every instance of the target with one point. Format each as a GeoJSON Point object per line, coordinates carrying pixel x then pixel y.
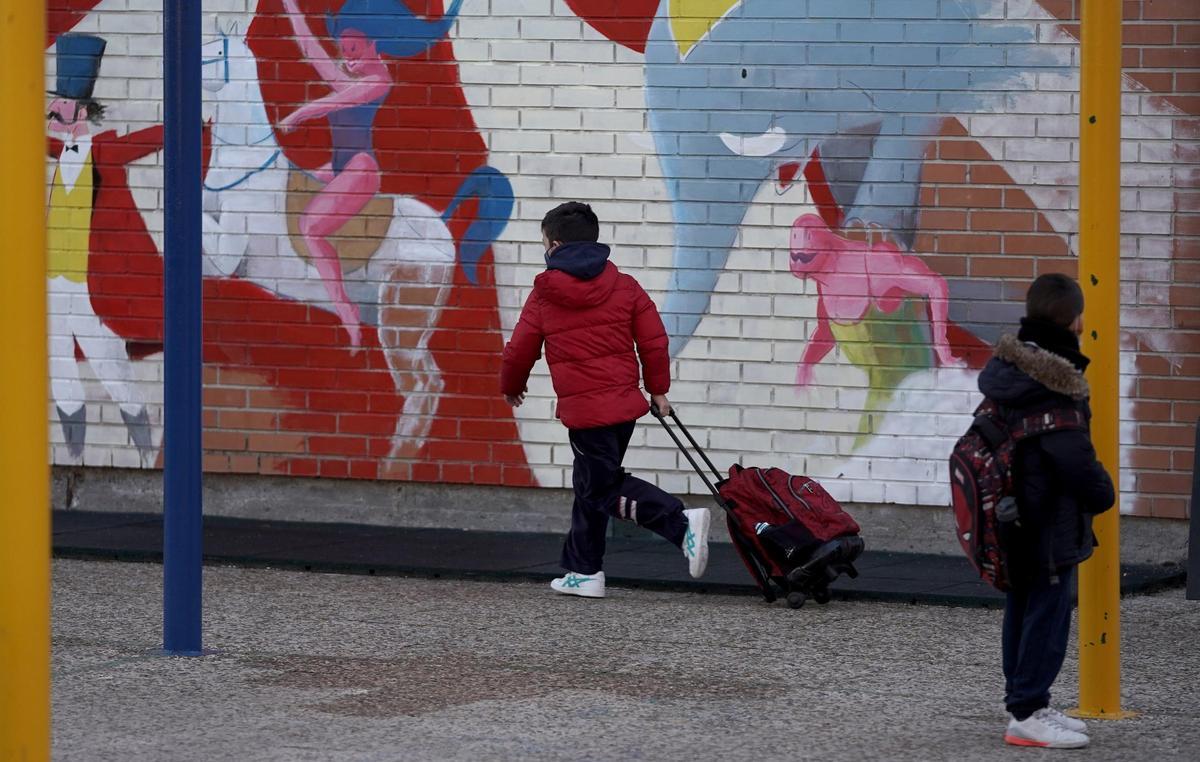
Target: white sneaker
{"type": "Point", "coordinates": [1067, 721]}
{"type": "Point", "coordinates": [583, 585]}
{"type": "Point", "coordinates": [695, 542]}
{"type": "Point", "coordinates": [1042, 730]}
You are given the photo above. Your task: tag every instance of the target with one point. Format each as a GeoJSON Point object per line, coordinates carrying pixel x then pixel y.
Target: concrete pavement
{"type": "Point", "coordinates": [347, 667]}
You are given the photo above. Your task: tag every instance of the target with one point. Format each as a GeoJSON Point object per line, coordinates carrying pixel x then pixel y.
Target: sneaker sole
{"type": "Point", "coordinates": [1029, 742]}
{"type": "Point", "coordinates": [577, 593]}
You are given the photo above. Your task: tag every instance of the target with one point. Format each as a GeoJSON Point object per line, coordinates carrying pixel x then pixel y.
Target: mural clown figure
{"type": "Point", "coordinates": [73, 193]}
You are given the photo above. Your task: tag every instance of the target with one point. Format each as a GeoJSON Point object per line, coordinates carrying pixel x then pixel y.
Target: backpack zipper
{"type": "Point", "coordinates": [782, 506]}
{"type": "Point", "coordinates": [806, 488]}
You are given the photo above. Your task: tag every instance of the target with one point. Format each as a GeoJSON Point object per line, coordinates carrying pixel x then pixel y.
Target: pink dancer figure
{"type": "Point", "coordinates": [855, 278]}
{"type": "Point", "coordinates": [360, 81]}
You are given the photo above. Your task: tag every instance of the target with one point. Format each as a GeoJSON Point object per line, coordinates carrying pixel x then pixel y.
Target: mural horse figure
{"type": "Point", "coordinates": [399, 268]}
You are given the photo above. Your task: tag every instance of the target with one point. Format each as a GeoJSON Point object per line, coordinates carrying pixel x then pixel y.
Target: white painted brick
{"type": "Point", "coordinates": [617, 120]}
{"type": "Point", "coordinates": [549, 477]}
{"type": "Point", "coordinates": [740, 350]}
{"type": "Point", "coordinates": [933, 494]}
{"type": "Point", "coordinates": [867, 492]}
{"type": "Point", "coordinates": [521, 141]}
{"type": "Point", "coordinates": [489, 74]}
{"type": "Point", "coordinates": [613, 166]}
{"type": "Point", "coordinates": [557, 74]}
{"type": "Point", "coordinates": [729, 328]}
{"type": "Point", "coordinates": [522, 8]}
{"type": "Point", "coordinates": [822, 467]}
{"type": "Point", "coordinates": [585, 97]}
{"type": "Point", "coordinates": [674, 483]}
{"type": "Point", "coordinates": [598, 52]}
{"type": "Point", "coordinates": [549, 164]}
{"type": "Point", "coordinates": [487, 28]}
{"type": "Point", "coordinates": [654, 459]}
{"type": "Point", "coordinates": [579, 187]}
{"type": "Point", "coordinates": [900, 493]}
{"type": "Point", "coordinates": [520, 96]}
{"type": "Point", "coordinates": [832, 422]}
{"type": "Point", "coordinates": [740, 305]}
{"type": "Point", "coordinates": [551, 29]}
{"type": "Point", "coordinates": [549, 119]}
{"type": "Point", "coordinates": [585, 143]}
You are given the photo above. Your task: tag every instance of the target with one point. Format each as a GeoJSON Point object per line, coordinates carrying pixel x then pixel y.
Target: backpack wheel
{"type": "Point", "coordinates": [822, 596]}
{"type": "Point", "coordinates": [796, 600]}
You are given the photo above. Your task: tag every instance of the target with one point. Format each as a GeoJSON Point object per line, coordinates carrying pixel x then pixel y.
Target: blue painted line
{"type": "Point", "coordinates": [245, 177]}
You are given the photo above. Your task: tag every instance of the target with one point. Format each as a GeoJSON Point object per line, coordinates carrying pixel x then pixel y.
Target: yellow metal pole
{"type": "Point", "coordinates": [1100, 276]}
{"type": "Point", "coordinates": [24, 473]}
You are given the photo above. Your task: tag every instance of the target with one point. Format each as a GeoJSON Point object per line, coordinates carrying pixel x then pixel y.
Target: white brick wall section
{"type": "Point", "coordinates": [562, 111]}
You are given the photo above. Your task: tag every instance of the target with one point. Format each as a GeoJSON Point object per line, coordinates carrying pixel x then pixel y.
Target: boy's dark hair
{"type": "Point", "coordinates": [572, 221]}
{"type": "Point", "coordinates": [1054, 298]}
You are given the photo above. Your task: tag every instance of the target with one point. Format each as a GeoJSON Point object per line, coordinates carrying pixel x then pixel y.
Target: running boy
{"type": "Point", "coordinates": [1060, 485]}
{"type": "Point", "coordinates": [598, 325]}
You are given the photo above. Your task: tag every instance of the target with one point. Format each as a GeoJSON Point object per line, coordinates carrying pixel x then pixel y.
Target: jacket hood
{"type": "Point", "coordinates": [583, 259]}
{"type": "Point", "coordinates": [1020, 374]}
{"type": "Point", "coordinates": [578, 274]}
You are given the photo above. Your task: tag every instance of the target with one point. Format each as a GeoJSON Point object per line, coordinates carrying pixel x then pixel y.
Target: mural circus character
{"type": "Point", "coordinates": [888, 102]}
{"type": "Point", "coordinates": [780, 90]}
{"type": "Point", "coordinates": [326, 283]}
{"type": "Point", "coordinates": [89, 193]}
{"type": "Point", "coordinates": [863, 290]}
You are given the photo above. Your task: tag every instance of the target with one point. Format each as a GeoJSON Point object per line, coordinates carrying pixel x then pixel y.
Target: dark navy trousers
{"type": "Point", "coordinates": [1037, 623]}
{"type": "Point", "coordinates": [603, 489]}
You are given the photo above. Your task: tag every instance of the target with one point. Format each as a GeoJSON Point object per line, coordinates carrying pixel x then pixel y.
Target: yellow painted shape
{"type": "Point", "coordinates": [69, 225]}
{"type": "Point", "coordinates": [24, 427]}
{"type": "Point", "coordinates": [1100, 277]}
{"type": "Point", "coordinates": [691, 20]}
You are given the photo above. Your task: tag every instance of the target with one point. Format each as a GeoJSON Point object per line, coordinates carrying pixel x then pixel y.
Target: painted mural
{"type": "Point", "coordinates": [89, 191]}
{"type": "Point", "coordinates": [328, 271]}
{"type": "Point", "coordinates": [837, 205]}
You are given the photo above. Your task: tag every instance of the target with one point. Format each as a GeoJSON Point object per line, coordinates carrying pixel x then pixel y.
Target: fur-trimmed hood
{"type": "Point", "coordinates": [1020, 373]}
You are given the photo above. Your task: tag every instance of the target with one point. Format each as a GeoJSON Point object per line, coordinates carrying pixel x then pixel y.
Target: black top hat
{"type": "Point", "coordinates": [78, 61]}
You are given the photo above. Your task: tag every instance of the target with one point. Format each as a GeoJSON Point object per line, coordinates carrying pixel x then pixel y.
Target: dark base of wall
{"type": "Point", "coordinates": [918, 529]}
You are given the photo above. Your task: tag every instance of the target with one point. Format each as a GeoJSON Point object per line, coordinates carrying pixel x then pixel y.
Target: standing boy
{"type": "Point", "coordinates": [1059, 486]}
{"type": "Point", "coordinates": [598, 326]}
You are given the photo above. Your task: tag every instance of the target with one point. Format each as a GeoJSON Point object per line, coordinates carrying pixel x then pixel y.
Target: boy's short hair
{"type": "Point", "coordinates": [572, 221]}
{"type": "Point", "coordinates": [1054, 298]}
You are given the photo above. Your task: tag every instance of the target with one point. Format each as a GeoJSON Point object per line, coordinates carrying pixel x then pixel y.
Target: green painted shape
{"type": "Point", "coordinates": [890, 347]}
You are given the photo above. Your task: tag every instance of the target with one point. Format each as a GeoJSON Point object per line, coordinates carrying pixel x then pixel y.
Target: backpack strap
{"type": "Point", "coordinates": [1058, 419]}
{"type": "Point", "coordinates": [986, 423]}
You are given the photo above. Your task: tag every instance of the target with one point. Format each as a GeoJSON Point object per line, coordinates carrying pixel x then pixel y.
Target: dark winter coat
{"type": "Point", "coordinates": [598, 326]}
{"type": "Point", "coordinates": [1060, 483]}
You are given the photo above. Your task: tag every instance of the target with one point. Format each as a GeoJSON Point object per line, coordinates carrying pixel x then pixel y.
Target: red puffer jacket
{"type": "Point", "coordinates": [596, 323]}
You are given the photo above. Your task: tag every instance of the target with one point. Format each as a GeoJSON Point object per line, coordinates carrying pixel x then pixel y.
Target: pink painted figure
{"type": "Point", "coordinates": [855, 276]}
{"type": "Point", "coordinates": [360, 81]}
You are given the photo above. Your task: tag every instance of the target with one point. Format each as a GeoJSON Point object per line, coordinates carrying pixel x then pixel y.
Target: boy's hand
{"type": "Point", "coordinates": [515, 401]}
{"type": "Point", "coordinates": [660, 404]}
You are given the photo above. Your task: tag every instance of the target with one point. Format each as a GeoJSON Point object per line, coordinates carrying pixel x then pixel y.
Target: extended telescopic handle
{"type": "Point", "coordinates": [695, 445]}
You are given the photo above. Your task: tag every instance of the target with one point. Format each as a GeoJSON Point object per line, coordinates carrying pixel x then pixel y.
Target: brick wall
{"type": "Point", "coordinates": [940, 142]}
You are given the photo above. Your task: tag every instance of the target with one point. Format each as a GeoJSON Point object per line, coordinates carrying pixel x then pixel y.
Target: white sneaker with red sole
{"type": "Point", "coordinates": [1042, 730]}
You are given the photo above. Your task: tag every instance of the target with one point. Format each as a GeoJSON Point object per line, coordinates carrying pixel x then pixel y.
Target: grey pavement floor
{"type": "Point", "coordinates": [350, 667]}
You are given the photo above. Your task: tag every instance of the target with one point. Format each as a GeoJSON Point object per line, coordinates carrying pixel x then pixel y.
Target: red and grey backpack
{"type": "Point", "coordinates": [981, 477]}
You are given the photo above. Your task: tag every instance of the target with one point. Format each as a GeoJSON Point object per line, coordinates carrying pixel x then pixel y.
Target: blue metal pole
{"type": "Point", "coordinates": [182, 508]}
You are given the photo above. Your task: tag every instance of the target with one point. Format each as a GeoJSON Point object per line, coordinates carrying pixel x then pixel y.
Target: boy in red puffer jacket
{"type": "Point", "coordinates": [599, 326]}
